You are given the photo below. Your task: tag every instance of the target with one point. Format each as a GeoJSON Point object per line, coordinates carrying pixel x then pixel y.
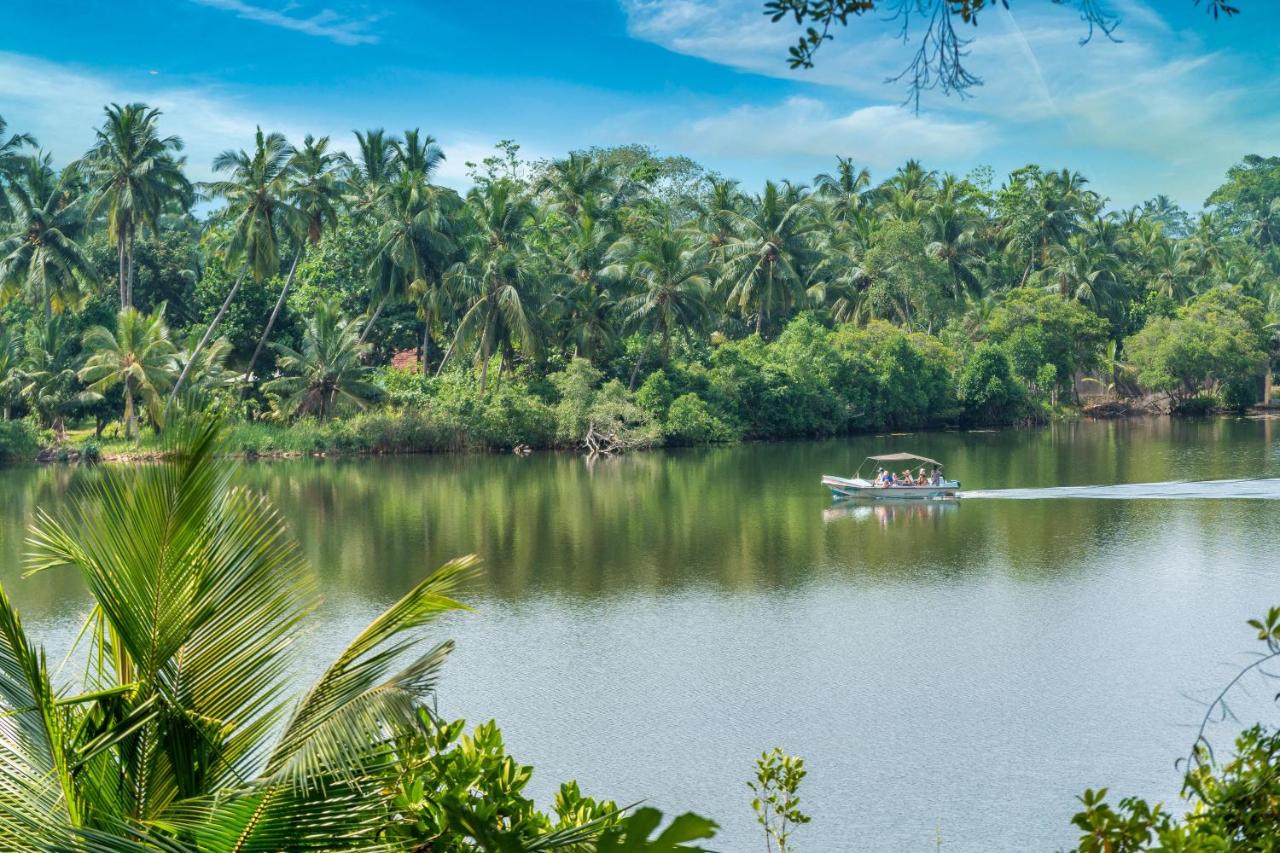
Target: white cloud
{"type": "Point", "coordinates": [878, 136]}
{"type": "Point", "coordinates": [325, 23]}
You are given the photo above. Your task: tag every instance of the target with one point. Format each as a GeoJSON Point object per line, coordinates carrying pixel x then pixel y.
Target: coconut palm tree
{"type": "Point", "coordinates": [839, 279]}
{"type": "Point", "coordinates": [373, 166]}
{"type": "Point", "coordinates": [10, 160]}
{"type": "Point", "coordinates": [186, 734]}
{"type": "Point", "coordinates": [578, 183]}
{"type": "Point", "coordinates": [496, 280]}
{"type": "Point", "coordinates": [414, 245]}
{"type": "Point", "coordinates": [10, 369]}
{"type": "Point", "coordinates": [767, 256]}
{"type": "Point", "coordinates": [328, 370]}
{"type": "Point", "coordinates": [139, 356]}
{"type": "Point", "coordinates": [259, 211]}
{"type": "Point", "coordinates": [315, 188]}
{"type": "Point", "coordinates": [133, 173]}
{"type": "Point", "coordinates": [846, 190]}
{"type": "Point", "coordinates": [40, 255]}
{"type": "Point", "coordinates": [672, 273]}
{"type": "Point", "coordinates": [418, 153]}
{"type": "Point", "coordinates": [593, 268]}
{"type": "Point", "coordinates": [50, 385]}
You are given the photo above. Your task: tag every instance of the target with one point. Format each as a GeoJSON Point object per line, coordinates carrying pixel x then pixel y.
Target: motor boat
{"type": "Point", "coordinates": [857, 487]}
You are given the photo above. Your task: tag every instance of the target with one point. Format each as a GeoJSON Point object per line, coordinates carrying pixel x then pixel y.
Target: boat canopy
{"type": "Point", "coordinates": [904, 457]}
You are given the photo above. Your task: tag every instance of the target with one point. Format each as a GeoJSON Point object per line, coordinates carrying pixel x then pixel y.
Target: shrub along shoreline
{"type": "Point", "coordinates": [813, 381]}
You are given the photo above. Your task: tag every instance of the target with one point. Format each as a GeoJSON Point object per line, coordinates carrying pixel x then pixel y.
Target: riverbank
{"type": "Point", "coordinates": [406, 433]}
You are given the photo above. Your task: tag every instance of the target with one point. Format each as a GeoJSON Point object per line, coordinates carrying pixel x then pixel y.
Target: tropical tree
{"type": "Point", "coordinates": [138, 356]}
{"type": "Point", "coordinates": [10, 369]}
{"type": "Point", "coordinates": [414, 241]}
{"type": "Point", "coordinates": [10, 160]}
{"type": "Point", "coordinates": [375, 164]}
{"type": "Point", "coordinates": [497, 278]}
{"type": "Point", "coordinates": [327, 370]}
{"type": "Point", "coordinates": [185, 734]}
{"type": "Point", "coordinates": [50, 357]}
{"type": "Point", "coordinates": [672, 274]}
{"type": "Point", "coordinates": [40, 256]}
{"type": "Point", "coordinates": [579, 183]}
{"type": "Point", "coordinates": [592, 270]}
{"type": "Point", "coordinates": [845, 191]}
{"type": "Point", "coordinates": [259, 212]}
{"type": "Point", "coordinates": [315, 188]}
{"type": "Point", "coordinates": [133, 173]}
{"type": "Point", "coordinates": [766, 259]}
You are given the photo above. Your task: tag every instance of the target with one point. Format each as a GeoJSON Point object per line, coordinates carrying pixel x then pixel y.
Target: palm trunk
{"type": "Point", "coordinates": [128, 292]}
{"type": "Point", "coordinates": [635, 371]}
{"type": "Point", "coordinates": [271, 321]}
{"type": "Point", "coordinates": [759, 321]}
{"type": "Point", "coordinates": [124, 272]}
{"type": "Point", "coordinates": [369, 326]}
{"type": "Point", "coordinates": [130, 416]}
{"type": "Point", "coordinates": [484, 370]}
{"type": "Point", "coordinates": [208, 333]}
{"type": "Point", "coordinates": [426, 348]}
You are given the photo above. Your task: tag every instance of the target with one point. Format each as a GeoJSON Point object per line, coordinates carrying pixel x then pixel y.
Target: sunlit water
{"type": "Point", "coordinates": [649, 624]}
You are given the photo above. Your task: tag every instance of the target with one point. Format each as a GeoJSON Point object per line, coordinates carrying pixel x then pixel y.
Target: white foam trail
{"type": "Point", "coordinates": [1261, 489]}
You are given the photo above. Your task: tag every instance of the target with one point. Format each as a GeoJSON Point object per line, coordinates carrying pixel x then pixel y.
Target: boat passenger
{"type": "Point", "coordinates": [935, 479]}
{"type": "Point", "coordinates": [907, 479]}
{"type": "Point", "coordinates": [921, 479]}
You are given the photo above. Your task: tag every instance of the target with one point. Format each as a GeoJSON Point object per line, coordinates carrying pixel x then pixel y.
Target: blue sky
{"type": "Point", "coordinates": [1166, 109]}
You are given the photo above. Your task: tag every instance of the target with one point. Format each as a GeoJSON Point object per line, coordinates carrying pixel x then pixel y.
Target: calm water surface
{"type": "Point", "coordinates": [649, 624]}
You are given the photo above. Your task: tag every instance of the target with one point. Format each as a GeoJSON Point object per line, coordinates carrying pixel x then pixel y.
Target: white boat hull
{"type": "Point", "coordinates": [856, 487]}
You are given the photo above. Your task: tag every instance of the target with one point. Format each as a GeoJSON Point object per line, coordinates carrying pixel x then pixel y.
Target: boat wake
{"type": "Point", "coordinates": [1176, 490]}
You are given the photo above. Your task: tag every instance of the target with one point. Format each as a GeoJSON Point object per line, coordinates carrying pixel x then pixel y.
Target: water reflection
{"type": "Point", "coordinates": [886, 513]}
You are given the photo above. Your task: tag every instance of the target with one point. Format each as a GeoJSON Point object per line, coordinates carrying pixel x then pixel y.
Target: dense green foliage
{"type": "Point", "coordinates": [615, 298]}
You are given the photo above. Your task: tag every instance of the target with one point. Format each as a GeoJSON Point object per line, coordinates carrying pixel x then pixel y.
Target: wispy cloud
{"type": "Point", "coordinates": [324, 23]}
{"type": "Point", "coordinates": [879, 136]}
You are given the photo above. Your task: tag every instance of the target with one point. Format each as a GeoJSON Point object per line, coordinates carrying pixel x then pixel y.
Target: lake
{"type": "Point", "coordinates": [649, 624]}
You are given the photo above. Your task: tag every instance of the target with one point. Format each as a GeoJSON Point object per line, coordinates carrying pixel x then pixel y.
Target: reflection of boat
{"type": "Point", "coordinates": [857, 487]}
{"type": "Point", "coordinates": [887, 512]}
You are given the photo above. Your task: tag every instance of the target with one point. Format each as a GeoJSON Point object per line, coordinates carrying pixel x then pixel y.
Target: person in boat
{"type": "Point", "coordinates": [907, 479]}
{"type": "Point", "coordinates": [886, 477]}
{"type": "Point", "coordinates": [921, 479]}
{"type": "Point", "coordinates": [935, 479]}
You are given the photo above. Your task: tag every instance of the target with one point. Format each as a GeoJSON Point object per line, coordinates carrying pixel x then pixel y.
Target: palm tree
{"type": "Point", "coordinates": [133, 173]}
{"type": "Point", "coordinates": [767, 255]}
{"type": "Point", "coordinates": [413, 242]}
{"type": "Point", "coordinates": [846, 190]}
{"type": "Point", "coordinates": [417, 153]}
{"type": "Point", "coordinates": [50, 356]}
{"type": "Point", "coordinates": [327, 371]}
{"type": "Point", "coordinates": [839, 279]}
{"type": "Point", "coordinates": [578, 183]}
{"type": "Point", "coordinates": [497, 279]}
{"type": "Point", "coordinates": [10, 160]}
{"type": "Point", "coordinates": [951, 227]}
{"type": "Point", "coordinates": [39, 252]}
{"type": "Point", "coordinates": [10, 369]}
{"type": "Point", "coordinates": [591, 263]}
{"type": "Point", "coordinates": [185, 734]}
{"type": "Point", "coordinates": [672, 273]}
{"type": "Point", "coordinates": [257, 195]}
{"type": "Point", "coordinates": [375, 165]}
{"type": "Point", "coordinates": [315, 188]}
{"type": "Point", "coordinates": [139, 356]}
